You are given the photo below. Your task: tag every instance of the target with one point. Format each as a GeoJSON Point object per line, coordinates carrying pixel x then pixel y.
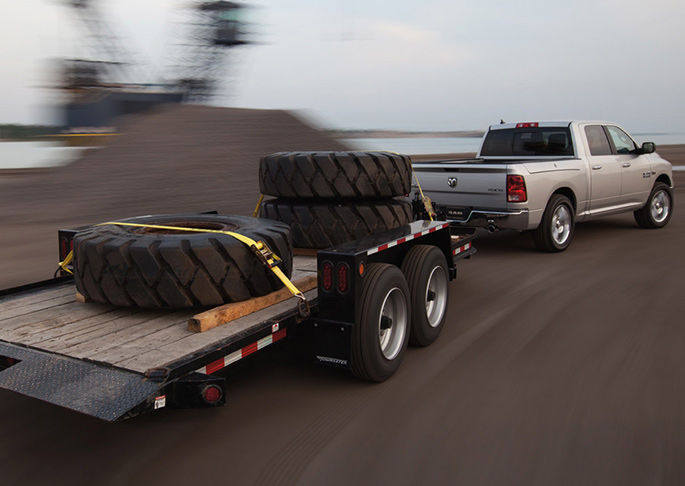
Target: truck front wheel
{"type": "Point", "coordinates": [556, 228]}
{"type": "Point", "coordinates": [381, 333]}
{"type": "Point", "coordinates": [657, 212]}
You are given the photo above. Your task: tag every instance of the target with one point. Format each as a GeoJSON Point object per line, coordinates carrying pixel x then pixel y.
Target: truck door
{"type": "Point", "coordinates": [636, 174]}
{"type": "Point", "coordinates": [605, 170]}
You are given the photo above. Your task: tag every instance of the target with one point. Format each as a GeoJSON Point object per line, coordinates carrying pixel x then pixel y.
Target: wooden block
{"type": "Point", "coordinates": [305, 252]}
{"type": "Point", "coordinates": [81, 298]}
{"type": "Point", "coordinates": [229, 312]}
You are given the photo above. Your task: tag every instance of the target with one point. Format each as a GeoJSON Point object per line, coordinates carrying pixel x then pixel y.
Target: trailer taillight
{"type": "Point", "coordinates": [327, 276]}
{"type": "Point", "coordinates": [342, 272]}
{"type": "Point", "coordinates": [211, 394]}
{"type": "Point", "coordinates": [516, 188]}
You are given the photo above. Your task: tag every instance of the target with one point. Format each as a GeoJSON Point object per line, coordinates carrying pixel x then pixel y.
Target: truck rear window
{"type": "Point", "coordinates": [549, 141]}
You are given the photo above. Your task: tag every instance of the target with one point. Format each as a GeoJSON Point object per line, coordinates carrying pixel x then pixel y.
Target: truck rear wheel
{"type": "Point", "coordinates": [155, 268]}
{"type": "Point", "coordinates": [657, 212]}
{"type": "Point", "coordinates": [556, 228]}
{"type": "Point", "coordinates": [335, 175]}
{"type": "Point", "coordinates": [323, 225]}
{"type": "Point", "coordinates": [381, 333]}
{"type": "Point", "coordinates": [425, 269]}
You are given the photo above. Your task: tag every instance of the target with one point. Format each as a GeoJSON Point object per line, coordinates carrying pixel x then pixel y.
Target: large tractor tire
{"type": "Point", "coordinates": [169, 269]}
{"type": "Point", "coordinates": [335, 175]}
{"type": "Point", "coordinates": [323, 225]}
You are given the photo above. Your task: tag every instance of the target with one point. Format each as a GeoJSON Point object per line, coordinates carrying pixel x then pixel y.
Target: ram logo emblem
{"type": "Point", "coordinates": [452, 182]}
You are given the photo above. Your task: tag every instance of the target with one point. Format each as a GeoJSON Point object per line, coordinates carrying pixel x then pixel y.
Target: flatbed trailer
{"type": "Point", "coordinates": [114, 363]}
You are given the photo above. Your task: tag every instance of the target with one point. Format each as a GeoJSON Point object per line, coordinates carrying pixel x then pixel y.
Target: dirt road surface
{"type": "Point", "coordinates": [552, 369]}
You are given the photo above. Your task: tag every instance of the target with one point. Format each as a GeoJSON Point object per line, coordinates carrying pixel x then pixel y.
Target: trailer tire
{"type": "Point", "coordinates": [556, 229]}
{"type": "Point", "coordinates": [335, 175]}
{"type": "Point", "coordinates": [377, 352]}
{"type": "Point", "coordinates": [657, 212]}
{"type": "Point", "coordinates": [426, 272]}
{"type": "Point", "coordinates": [153, 268]}
{"type": "Point", "coordinates": [323, 225]}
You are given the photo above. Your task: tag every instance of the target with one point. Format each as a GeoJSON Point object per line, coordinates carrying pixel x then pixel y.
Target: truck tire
{"type": "Point", "coordinates": [425, 269]}
{"type": "Point", "coordinates": [381, 333]}
{"type": "Point", "coordinates": [323, 225]}
{"type": "Point", "coordinates": [556, 228]}
{"type": "Point", "coordinates": [335, 175]}
{"type": "Point", "coordinates": [144, 267]}
{"type": "Point", "coordinates": [657, 212]}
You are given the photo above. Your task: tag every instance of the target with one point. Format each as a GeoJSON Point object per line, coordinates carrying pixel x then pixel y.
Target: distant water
{"type": "Point", "coordinates": [660, 138]}
{"type": "Point", "coordinates": [33, 155]}
{"type": "Point", "coordinates": [411, 146]}
{"type": "Point", "coordinates": [445, 145]}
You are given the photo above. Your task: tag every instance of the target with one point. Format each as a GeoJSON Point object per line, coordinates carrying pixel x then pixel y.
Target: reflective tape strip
{"type": "Point", "coordinates": [404, 239]}
{"type": "Point", "coordinates": [462, 248]}
{"type": "Point", "coordinates": [229, 359]}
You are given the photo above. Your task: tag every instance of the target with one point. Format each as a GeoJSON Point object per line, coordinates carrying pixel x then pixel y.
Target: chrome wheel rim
{"type": "Point", "coordinates": [392, 323]}
{"type": "Point", "coordinates": [436, 296]}
{"type": "Point", "coordinates": [660, 206]}
{"type": "Point", "coordinates": [561, 224]}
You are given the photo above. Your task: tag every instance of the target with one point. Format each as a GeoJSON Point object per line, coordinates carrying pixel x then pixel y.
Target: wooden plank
{"type": "Point", "coordinates": [35, 332]}
{"type": "Point", "coordinates": [226, 313]}
{"type": "Point", "coordinates": [62, 338]}
{"type": "Point", "coordinates": [126, 341]}
{"type": "Point", "coordinates": [189, 342]}
{"type": "Point", "coordinates": [31, 297]}
{"type": "Point", "coordinates": [30, 307]}
{"type": "Point", "coordinates": [54, 316]}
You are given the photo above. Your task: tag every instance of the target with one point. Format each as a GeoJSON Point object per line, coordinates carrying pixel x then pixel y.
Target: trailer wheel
{"type": "Point", "coordinates": [155, 268]}
{"type": "Point", "coordinates": [380, 335]}
{"type": "Point", "coordinates": [657, 212]}
{"type": "Point", "coordinates": [335, 175]}
{"type": "Point", "coordinates": [323, 225]}
{"type": "Point", "coordinates": [556, 228]}
{"type": "Point", "coordinates": [426, 271]}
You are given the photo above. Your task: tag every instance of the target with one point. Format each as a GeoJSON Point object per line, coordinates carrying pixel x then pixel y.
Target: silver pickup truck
{"type": "Point", "coordinates": [544, 177]}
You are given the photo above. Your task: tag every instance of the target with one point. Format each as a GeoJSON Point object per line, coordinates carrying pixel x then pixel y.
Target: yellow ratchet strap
{"type": "Point", "coordinates": [261, 249]}
{"type": "Point", "coordinates": [64, 263]}
{"type": "Point", "coordinates": [427, 203]}
{"type": "Point", "coordinates": [255, 213]}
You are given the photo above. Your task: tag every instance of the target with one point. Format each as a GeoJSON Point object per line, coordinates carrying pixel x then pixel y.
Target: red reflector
{"type": "Point", "coordinates": [342, 271]}
{"type": "Point", "coordinates": [527, 125]}
{"type": "Point", "coordinates": [63, 249]}
{"type": "Point", "coordinates": [516, 188]}
{"type": "Point", "coordinates": [212, 394]}
{"type": "Point", "coordinates": [327, 276]}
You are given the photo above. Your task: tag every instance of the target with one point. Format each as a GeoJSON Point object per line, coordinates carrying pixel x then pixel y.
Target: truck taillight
{"type": "Point", "coordinates": [342, 271]}
{"type": "Point", "coordinates": [527, 125]}
{"type": "Point", "coordinates": [516, 189]}
{"type": "Point", "coordinates": [327, 276]}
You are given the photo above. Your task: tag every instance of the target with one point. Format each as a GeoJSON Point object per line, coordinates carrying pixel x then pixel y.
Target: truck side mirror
{"type": "Point", "coordinates": [648, 147]}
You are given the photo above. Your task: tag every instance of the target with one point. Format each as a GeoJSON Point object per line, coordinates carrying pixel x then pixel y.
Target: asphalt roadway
{"type": "Point", "coordinates": [553, 369]}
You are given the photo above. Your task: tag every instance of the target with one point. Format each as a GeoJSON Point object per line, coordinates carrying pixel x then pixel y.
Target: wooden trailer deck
{"type": "Point", "coordinates": [51, 319]}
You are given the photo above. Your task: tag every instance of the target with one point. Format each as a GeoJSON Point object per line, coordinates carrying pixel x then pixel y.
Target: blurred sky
{"type": "Point", "coordinates": [424, 65]}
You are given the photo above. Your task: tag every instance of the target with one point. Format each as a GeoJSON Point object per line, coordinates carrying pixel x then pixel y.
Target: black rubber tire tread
{"type": "Point", "coordinates": [123, 266]}
{"type": "Point", "coordinates": [643, 217]}
{"type": "Point", "coordinates": [366, 359]}
{"type": "Point", "coordinates": [323, 225]}
{"type": "Point", "coordinates": [416, 267]}
{"type": "Point", "coordinates": [335, 175]}
{"type": "Point", "coordinates": [542, 235]}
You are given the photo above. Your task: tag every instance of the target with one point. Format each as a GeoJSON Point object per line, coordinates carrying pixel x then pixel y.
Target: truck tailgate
{"type": "Point", "coordinates": [466, 185]}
